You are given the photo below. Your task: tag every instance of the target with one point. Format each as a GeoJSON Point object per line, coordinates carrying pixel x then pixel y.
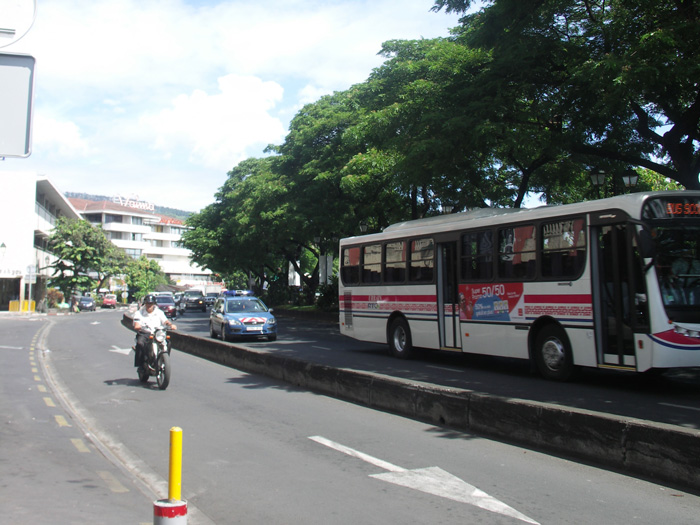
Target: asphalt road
{"type": "Point", "coordinates": [673, 397]}
{"type": "Point", "coordinates": [258, 450]}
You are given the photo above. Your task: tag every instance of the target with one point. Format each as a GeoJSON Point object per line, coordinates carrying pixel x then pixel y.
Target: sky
{"type": "Point", "coordinates": [159, 99]}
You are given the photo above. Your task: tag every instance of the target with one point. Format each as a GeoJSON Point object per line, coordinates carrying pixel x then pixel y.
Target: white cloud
{"type": "Point", "coordinates": [60, 136]}
{"type": "Point", "coordinates": [133, 92]}
{"type": "Point", "coordinates": [220, 128]}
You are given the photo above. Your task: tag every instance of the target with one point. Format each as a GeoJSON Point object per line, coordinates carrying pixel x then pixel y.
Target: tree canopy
{"type": "Point", "coordinates": [524, 98]}
{"type": "Point", "coordinates": [83, 252]}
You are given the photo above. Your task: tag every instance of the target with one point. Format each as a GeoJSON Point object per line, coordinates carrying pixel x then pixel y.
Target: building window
{"type": "Point", "coordinates": [113, 218]}
{"type": "Point", "coordinates": [134, 254]}
{"type": "Point", "coordinates": [137, 221]}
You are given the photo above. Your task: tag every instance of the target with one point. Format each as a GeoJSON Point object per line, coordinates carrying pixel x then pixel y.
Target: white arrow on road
{"type": "Point", "coordinates": [432, 480]}
{"type": "Point", "coordinates": [118, 350]}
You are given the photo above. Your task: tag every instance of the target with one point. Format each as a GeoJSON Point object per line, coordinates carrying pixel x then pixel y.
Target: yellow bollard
{"type": "Point", "coordinates": [175, 477]}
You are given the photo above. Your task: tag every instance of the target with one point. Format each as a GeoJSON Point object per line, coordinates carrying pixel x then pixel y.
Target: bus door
{"type": "Point", "coordinates": [447, 297]}
{"type": "Point", "coordinates": [619, 294]}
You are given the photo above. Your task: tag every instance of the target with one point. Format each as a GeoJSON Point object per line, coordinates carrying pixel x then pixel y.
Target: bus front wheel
{"type": "Point", "coordinates": [400, 342]}
{"type": "Point", "coordinates": [553, 354]}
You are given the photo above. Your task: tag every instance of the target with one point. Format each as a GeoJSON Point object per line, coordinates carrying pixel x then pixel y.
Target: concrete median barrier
{"type": "Point", "coordinates": [665, 453]}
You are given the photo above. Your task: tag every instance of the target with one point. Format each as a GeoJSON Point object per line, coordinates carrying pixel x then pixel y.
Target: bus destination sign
{"type": "Point", "coordinates": [672, 207]}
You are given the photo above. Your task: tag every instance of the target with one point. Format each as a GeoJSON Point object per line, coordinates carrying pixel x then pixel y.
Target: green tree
{"type": "Point", "coordinates": [618, 79]}
{"type": "Point", "coordinates": [85, 257]}
{"type": "Point", "coordinates": [143, 275]}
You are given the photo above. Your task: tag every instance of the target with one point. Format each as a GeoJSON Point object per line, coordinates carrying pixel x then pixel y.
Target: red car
{"type": "Point", "coordinates": [109, 301]}
{"type": "Point", "coordinates": [167, 304]}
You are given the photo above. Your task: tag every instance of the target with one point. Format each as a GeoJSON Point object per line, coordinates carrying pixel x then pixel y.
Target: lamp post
{"type": "Point", "coordinates": [363, 226]}
{"type": "Point", "coordinates": [447, 209]}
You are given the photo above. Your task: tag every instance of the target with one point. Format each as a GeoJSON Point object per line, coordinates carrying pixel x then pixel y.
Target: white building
{"type": "Point", "coordinates": [137, 230]}
{"type": "Point", "coordinates": [29, 207]}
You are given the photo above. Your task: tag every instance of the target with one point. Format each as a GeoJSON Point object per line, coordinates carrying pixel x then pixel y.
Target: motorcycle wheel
{"type": "Point", "coordinates": [143, 374]}
{"type": "Point", "coordinates": [163, 371]}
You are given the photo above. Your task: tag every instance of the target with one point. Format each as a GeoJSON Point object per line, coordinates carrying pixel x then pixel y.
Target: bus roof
{"type": "Point", "coordinates": [631, 203]}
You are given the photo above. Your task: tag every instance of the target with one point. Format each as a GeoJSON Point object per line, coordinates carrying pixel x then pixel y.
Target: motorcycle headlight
{"type": "Point", "coordinates": [160, 336]}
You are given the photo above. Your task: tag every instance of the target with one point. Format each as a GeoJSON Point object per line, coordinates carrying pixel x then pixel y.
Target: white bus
{"type": "Point", "coordinates": [612, 283]}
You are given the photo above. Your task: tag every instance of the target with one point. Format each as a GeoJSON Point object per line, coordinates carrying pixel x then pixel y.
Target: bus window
{"type": "Point", "coordinates": [563, 249]}
{"type": "Point", "coordinates": [350, 272]}
{"type": "Point", "coordinates": [422, 260]}
{"type": "Point", "coordinates": [516, 252]}
{"type": "Point", "coordinates": [477, 256]}
{"type": "Point", "coordinates": [372, 263]}
{"type": "Point", "coordinates": [395, 266]}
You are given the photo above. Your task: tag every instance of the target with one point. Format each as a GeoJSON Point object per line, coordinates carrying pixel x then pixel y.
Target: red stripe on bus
{"type": "Point", "coordinates": [559, 299]}
{"type": "Point", "coordinates": [393, 298]}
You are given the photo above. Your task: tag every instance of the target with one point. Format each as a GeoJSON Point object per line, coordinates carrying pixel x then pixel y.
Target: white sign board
{"type": "Point", "coordinates": [16, 103]}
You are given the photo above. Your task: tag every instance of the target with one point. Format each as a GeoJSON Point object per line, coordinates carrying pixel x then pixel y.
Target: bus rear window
{"type": "Point", "coordinates": [422, 260]}
{"type": "Point", "coordinates": [350, 270]}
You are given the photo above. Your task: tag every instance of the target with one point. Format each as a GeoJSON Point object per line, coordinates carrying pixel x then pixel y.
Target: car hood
{"type": "Point", "coordinates": [250, 317]}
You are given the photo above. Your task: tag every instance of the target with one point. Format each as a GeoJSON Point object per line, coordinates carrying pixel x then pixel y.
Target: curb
{"type": "Point", "coordinates": [664, 453]}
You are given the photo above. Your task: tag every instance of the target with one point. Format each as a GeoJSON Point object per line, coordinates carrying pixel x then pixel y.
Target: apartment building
{"type": "Point", "coordinates": [134, 227]}
{"type": "Point", "coordinates": [29, 207]}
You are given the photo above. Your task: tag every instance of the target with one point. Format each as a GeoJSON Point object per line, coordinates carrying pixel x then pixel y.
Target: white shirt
{"type": "Point", "coordinates": [150, 321]}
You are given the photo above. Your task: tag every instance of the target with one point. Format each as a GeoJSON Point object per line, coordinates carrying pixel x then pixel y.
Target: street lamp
{"type": "Point", "coordinates": [363, 226]}
{"type": "Point", "coordinates": [598, 179]}
{"type": "Point", "coordinates": [447, 209]}
{"type": "Point", "coordinates": [630, 178]}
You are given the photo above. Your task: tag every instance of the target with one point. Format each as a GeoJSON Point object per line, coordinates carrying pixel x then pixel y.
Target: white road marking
{"type": "Point", "coordinates": [445, 368]}
{"type": "Point", "coordinates": [125, 351]}
{"type": "Point", "coordinates": [431, 480]}
{"type": "Point", "coordinates": [680, 406]}
{"type": "Point", "coordinates": [95, 322]}
{"type": "Point", "coordinates": [12, 347]}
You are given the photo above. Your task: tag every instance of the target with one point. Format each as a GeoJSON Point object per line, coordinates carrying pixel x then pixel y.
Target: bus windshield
{"type": "Point", "coordinates": [678, 268]}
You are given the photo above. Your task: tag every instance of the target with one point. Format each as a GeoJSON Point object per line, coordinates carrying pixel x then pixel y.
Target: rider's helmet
{"type": "Point", "coordinates": [149, 299]}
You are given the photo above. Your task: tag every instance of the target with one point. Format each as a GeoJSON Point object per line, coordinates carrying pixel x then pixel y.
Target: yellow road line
{"type": "Point", "coordinates": [62, 421]}
{"type": "Point", "coordinates": [49, 402]}
{"type": "Point", "coordinates": [112, 482]}
{"type": "Point", "coordinates": [80, 445]}
{"type": "Point", "coordinates": [41, 388]}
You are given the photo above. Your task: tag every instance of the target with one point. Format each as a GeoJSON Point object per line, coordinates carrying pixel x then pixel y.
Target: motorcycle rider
{"type": "Point", "coordinates": [146, 320]}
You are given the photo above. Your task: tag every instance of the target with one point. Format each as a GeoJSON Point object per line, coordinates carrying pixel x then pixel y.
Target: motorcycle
{"type": "Point", "coordinates": [156, 362]}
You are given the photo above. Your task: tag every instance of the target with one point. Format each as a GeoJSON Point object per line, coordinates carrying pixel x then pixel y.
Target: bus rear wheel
{"type": "Point", "coordinates": [553, 354]}
{"type": "Point", "coordinates": [400, 343]}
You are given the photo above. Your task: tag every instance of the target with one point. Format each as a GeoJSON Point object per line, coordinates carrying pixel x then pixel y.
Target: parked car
{"type": "Point", "coordinates": [194, 300]}
{"type": "Point", "coordinates": [109, 301]}
{"type": "Point", "coordinates": [241, 316]}
{"type": "Point", "coordinates": [86, 304]}
{"type": "Point", "coordinates": [167, 304]}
